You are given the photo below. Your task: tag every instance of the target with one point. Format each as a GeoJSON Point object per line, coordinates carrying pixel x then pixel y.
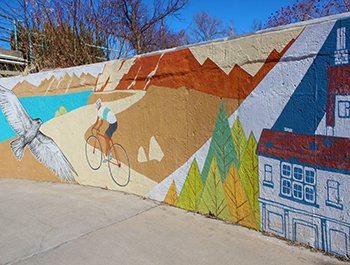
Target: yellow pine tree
{"type": "Point", "coordinates": [171, 197]}
{"type": "Point", "coordinates": [237, 200]}
{"type": "Point", "coordinates": [249, 174]}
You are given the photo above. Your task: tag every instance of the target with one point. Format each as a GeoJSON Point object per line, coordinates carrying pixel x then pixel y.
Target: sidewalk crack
{"type": "Point", "coordinates": [83, 235]}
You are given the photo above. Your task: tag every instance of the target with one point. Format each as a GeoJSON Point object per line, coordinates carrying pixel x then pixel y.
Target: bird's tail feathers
{"type": "Point", "coordinates": [17, 147]}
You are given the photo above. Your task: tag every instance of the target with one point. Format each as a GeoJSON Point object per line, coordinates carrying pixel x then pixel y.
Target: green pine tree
{"type": "Point", "coordinates": [239, 139]}
{"type": "Point", "coordinates": [222, 146]}
{"type": "Point", "coordinates": [213, 200]}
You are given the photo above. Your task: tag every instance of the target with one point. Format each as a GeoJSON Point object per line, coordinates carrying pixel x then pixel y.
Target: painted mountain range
{"type": "Point", "coordinates": [180, 68]}
{"type": "Point", "coordinates": [54, 86]}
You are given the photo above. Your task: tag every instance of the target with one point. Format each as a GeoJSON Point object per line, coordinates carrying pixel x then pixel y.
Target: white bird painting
{"type": "Point", "coordinates": [44, 149]}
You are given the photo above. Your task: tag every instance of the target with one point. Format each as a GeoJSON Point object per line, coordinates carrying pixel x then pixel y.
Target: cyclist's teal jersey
{"type": "Point", "coordinates": [106, 114]}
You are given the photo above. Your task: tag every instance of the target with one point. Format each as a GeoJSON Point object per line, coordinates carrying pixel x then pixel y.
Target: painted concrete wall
{"type": "Point", "coordinates": [254, 129]}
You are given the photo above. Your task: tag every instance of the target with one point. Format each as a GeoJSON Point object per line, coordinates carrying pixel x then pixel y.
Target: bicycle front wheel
{"type": "Point", "coordinates": [118, 165]}
{"type": "Point", "coordinates": [93, 152]}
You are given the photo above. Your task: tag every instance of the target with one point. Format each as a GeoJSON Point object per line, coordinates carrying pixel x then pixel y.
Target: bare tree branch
{"type": "Point", "coordinates": [206, 27]}
{"type": "Point", "coordinates": [303, 10]}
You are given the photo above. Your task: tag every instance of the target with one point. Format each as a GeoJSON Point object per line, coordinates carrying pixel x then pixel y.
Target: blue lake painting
{"type": "Point", "coordinates": [44, 107]}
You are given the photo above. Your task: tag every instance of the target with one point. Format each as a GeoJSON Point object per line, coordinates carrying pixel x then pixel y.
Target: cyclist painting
{"type": "Point", "coordinates": [106, 114]}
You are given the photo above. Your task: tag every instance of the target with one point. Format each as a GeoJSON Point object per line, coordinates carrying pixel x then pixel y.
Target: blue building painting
{"type": "Point", "coordinates": [304, 159]}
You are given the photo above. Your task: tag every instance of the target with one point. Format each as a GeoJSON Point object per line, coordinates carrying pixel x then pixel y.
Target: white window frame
{"type": "Point", "coordinates": [302, 173]}
{"type": "Point", "coordinates": [268, 176]}
{"type": "Point", "coordinates": [314, 193]}
{"type": "Point", "coordinates": [290, 188]}
{"type": "Point", "coordinates": [310, 169]}
{"type": "Point", "coordinates": [301, 183]}
{"type": "Point", "coordinates": [295, 183]}
{"type": "Point", "coordinates": [346, 109]}
{"type": "Point", "coordinates": [329, 201]}
{"type": "Point", "coordinates": [291, 170]}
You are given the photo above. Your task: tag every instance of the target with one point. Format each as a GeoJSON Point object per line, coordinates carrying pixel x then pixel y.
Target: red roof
{"type": "Point", "coordinates": [314, 150]}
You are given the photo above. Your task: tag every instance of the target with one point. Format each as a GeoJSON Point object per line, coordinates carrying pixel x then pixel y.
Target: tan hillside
{"type": "Point", "coordinates": [54, 86]}
{"type": "Point", "coordinates": [24, 89]}
{"type": "Point", "coordinates": [177, 118]}
{"type": "Point", "coordinates": [88, 80]}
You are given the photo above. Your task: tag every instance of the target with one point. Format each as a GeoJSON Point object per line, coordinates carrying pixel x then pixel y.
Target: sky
{"type": "Point", "coordinates": [241, 12]}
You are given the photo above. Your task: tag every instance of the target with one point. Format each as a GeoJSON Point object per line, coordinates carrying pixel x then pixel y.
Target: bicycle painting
{"type": "Point", "coordinates": [115, 155]}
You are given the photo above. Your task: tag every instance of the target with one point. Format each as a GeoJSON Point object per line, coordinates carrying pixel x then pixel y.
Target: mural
{"type": "Point", "coordinates": [114, 154]}
{"type": "Point", "coordinates": [253, 130]}
{"type": "Point", "coordinates": [303, 158]}
{"type": "Point", "coordinates": [41, 146]}
{"type": "Point", "coordinates": [228, 187]}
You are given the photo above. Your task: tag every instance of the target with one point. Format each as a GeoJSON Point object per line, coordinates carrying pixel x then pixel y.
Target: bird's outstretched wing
{"type": "Point", "coordinates": [14, 112]}
{"type": "Point", "coordinates": [48, 153]}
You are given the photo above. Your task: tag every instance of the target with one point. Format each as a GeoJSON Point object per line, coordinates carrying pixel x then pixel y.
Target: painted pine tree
{"type": "Point", "coordinates": [171, 196]}
{"type": "Point", "coordinates": [239, 139]}
{"type": "Point", "coordinates": [191, 190]}
{"type": "Point", "coordinates": [221, 146]}
{"type": "Point", "coordinates": [237, 200]}
{"type": "Point", "coordinates": [213, 200]}
{"type": "Point", "coordinates": [249, 173]}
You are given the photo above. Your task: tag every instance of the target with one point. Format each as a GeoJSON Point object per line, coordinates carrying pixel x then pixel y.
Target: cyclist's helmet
{"type": "Point", "coordinates": [98, 103]}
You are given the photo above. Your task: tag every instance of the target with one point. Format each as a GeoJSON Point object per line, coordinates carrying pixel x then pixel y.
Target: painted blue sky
{"type": "Point", "coordinates": [241, 12]}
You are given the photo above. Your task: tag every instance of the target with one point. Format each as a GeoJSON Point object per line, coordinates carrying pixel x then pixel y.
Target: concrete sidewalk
{"type": "Point", "coordinates": [56, 223]}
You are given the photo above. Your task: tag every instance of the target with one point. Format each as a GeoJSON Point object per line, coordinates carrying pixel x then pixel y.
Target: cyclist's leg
{"type": "Point", "coordinates": [108, 146]}
{"type": "Point", "coordinates": [109, 132]}
{"type": "Point", "coordinates": [98, 136]}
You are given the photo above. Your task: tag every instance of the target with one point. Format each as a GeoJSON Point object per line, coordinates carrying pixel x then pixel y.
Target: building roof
{"type": "Point", "coordinates": [323, 152]}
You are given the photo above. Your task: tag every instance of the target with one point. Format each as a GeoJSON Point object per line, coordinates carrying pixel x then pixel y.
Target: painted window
{"type": "Point", "coordinates": [341, 38]}
{"type": "Point", "coordinates": [298, 190]}
{"type": "Point", "coordinates": [344, 109]}
{"type": "Point", "coordinates": [286, 170]}
{"type": "Point", "coordinates": [341, 54]}
{"type": "Point", "coordinates": [310, 194]}
{"type": "Point", "coordinates": [286, 187]}
{"type": "Point", "coordinates": [333, 198]}
{"type": "Point", "coordinates": [298, 183]}
{"type": "Point", "coordinates": [298, 173]}
{"type": "Point", "coordinates": [268, 176]}
{"type": "Point", "coordinates": [310, 176]}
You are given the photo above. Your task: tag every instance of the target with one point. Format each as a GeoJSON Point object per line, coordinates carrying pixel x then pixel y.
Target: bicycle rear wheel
{"type": "Point", "coordinates": [118, 165]}
{"type": "Point", "coordinates": [93, 152]}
